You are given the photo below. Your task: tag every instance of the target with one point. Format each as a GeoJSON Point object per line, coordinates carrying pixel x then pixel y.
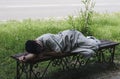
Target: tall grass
{"type": "Point", "coordinates": [13, 35]}
{"type": "Point", "coordinates": [106, 26]}
{"type": "Point", "coordinates": [84, 19]}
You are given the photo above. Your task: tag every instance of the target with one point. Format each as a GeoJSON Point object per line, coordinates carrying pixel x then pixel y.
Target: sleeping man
{"type": "Point", "coordinates": [68, 41]}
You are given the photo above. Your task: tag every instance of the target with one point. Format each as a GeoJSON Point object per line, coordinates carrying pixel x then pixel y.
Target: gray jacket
{"type": "Point", "coordinates": [71, 41]}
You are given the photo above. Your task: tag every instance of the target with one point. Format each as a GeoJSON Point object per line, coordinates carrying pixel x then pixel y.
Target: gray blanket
{"type": "Point", "coordinates": [71, 41]}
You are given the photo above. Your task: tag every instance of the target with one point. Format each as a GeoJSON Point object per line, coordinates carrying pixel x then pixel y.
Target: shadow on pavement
{"type": "Point", "coordinates": [91, 71]}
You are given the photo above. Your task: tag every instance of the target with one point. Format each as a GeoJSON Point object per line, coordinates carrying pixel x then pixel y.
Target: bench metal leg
{"type": "Point", "coordinates": [23, 69]}
{"type": "Point", "coordinates": [101, 55]}
{"type": "Point", "coordinates": [17, 71]}
{"type": "Point", "coordinates": [112, 51]}
{"type": "Point", "coordinates": [28, 71]}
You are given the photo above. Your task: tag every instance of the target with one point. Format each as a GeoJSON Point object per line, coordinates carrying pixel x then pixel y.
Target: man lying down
{"type": "Point", "coordinates": [68, 41]}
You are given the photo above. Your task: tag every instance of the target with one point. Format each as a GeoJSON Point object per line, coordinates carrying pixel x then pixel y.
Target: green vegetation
{"type": "Point", "coordinates": [13, 35]}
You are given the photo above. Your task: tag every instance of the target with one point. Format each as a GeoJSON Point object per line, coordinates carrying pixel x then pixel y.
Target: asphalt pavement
{"type": "Point", "coordinates": [36, 9]}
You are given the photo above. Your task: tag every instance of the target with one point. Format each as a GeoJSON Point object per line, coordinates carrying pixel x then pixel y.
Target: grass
{"type": "Point", "coordinates": [13, 35]}
{"type": "Point", "coordinates": [106, 26]}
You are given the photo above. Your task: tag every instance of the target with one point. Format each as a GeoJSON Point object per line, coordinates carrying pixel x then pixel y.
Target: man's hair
{"type": "Point", "coordinates": [32, 46]}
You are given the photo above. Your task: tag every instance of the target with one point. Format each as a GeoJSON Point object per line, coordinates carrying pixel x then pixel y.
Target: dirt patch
{"type": "Point", "coordinates": [110, 75]}
{"type": "Point", "coordinates": [93, 71]}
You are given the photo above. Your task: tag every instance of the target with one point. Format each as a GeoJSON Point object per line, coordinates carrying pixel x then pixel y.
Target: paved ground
{"type": "Point", "coordinates": [35, 9]}
{"type": "Point", "coordinates": [111, 75]}
{"type": "Point", "coordinates": [107, 72]}
{"type": "Point", "coordinates": [97, 71]}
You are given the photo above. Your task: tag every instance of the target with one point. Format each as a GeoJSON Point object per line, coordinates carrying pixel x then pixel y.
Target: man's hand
{"type": "Point", "coordinates": [27, 57]}
{"type": "Point", "coordinates": [22, 58]}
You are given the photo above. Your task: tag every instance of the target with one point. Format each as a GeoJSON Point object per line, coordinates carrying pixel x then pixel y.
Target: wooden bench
{"type": "Point", "coordinates": [30, 69]}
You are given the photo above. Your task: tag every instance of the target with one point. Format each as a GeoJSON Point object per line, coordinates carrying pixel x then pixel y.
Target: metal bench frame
{"type": "Point", "coordinates": [67, 61]}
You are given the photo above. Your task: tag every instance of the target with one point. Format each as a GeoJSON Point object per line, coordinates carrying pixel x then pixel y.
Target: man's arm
{"type": "Point", "coordinates": [53, 54]}
{"type": "Point", "coordinates": [27, 57]}
{"type": "Point", "coordinates": [32, 56]}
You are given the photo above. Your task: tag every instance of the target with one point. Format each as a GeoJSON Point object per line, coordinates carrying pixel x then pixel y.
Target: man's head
{"type": "Point", "coordinates": [32, 46]}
